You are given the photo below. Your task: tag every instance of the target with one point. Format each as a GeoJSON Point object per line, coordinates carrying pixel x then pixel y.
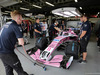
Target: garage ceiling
{"type": "Point", "coordinates": [89, 7]}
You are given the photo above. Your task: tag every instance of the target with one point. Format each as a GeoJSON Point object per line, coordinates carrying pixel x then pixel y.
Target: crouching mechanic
{"type": "Point", "coordinates": [84, 37]}
{"type": "Point", "coordinates": [9, 34]}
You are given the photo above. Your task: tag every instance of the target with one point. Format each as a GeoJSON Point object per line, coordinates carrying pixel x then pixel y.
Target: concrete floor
{"type": "Point", "coordinates": [91, 68]}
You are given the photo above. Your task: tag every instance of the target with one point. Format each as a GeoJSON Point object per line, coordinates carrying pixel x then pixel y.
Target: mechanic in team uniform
{"type": "Point", "coordinates": [84, 37]}
{"type": "Point", "coordinates": [37, 28]}
{"type": "Point", "coordinates": [63, 26]}
{"type": "Point", "coordinates": [52, 30]}
{"type": "Point", "coordinates": [9, 34]}
{"type": "Point", "coordinates": [31, 29]}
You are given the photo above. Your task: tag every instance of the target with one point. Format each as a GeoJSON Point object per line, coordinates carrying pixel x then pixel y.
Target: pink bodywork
{"type": "Point", "coordinates": [55, 43]}
{"type": "Point", "coordinates": [54, 62]}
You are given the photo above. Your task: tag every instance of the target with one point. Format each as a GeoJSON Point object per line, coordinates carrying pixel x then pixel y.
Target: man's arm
{"type": "Point", "coordinates": [57, 29]}
{"type": "Point", "coordinates": [83, 33]}
{"type": "Point", "coordinates": [37, 31]}
{"type": "Point", "coordinates": [64, 27]}
{"type": "Point", "coordinates": [21, 41]}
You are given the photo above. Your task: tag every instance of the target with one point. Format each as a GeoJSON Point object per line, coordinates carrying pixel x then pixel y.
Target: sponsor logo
{"type": "Point", "coordinates": [85, 25]}
{"type": "Point", "coordinates": [56, 40]}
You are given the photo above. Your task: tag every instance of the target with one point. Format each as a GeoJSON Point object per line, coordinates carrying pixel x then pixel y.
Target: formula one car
{"type": "Point", "coordinates": [45, 57]}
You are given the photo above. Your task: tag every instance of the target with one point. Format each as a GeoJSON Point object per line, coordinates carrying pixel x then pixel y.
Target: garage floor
{"type": "Point", "coordinates": [91, 68]}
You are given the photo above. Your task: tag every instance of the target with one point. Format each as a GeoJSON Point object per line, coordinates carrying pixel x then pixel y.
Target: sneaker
{"type": "Point", "coordinates": [98, 47]}
{"type": "Point", "coordinates": [80, 60]}
{"type": "Point", "coordinates": [83, 62]}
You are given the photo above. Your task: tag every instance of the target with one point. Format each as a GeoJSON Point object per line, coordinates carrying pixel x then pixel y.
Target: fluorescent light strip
{"type": "Point", "coordinates": [24, 8]}
{"type": "Point", "coordinates": [4, 13]}
{"type": "Point", "coordinates": [59, 14]}
{"type": "Point", "coordinates": [68, 13]}
{"type": "Point", "coordinates": [66, 16]}
{"type": "Point", "coordinates": [80, 7]}
{"type": "Point", "coordinates": [49, 3]}
{"type": "Point", "coordinates": [75, 13]}
{"type": "Point", "coordinates": [76, 0]}
{"type": "Point", "coordinates": [8, 11]}
{"type": "Point", "coordinates": [20, 1]}
{"type": "Point", "coordinates": [37, 6]}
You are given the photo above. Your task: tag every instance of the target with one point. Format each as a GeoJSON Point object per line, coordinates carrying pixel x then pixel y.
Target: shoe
{"type": "Point", "coordinates": [31, 74]}
{"type": "Point", "coordinates": [98, 47]}
{"type": "Point", "coordinates": [80, 60]}
{"type": "Point", "coordinates": [83, 62]}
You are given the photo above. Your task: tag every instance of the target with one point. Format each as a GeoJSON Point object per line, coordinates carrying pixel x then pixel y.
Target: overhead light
{"type": "Point", "coordinates": [76, 0]}
{"type": "Point", "coordinates": [59, 14]}
{"type": "Point", "coordinates": [4, 13]}
{"type": "Point", "coordinates": [68, 13]}
{"type": "Point", "coordinates": [24, 8]}
{"type": "Point", "coordinates": [80, 7]}
{"type": "Point", "coordinates": [66, 16]}
{"type": "Point", "coordinates": [20, 1]}
{"type": "Point", "coordinates": [75, 13]}
{"type": "Point", "coordinates": [37, 6]}
{"type": "Point", "coordinates": [28, 14]}
{"type": "Point", "coordinates": [49, 3]}
{"type": "Point", "coordinates": [8, 11]}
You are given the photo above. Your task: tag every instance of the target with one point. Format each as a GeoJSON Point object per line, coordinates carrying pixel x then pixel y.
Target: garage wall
{"type": "Point", "coordinates": [73, 23]}
{"type": "Point", "coordinates": [97, 23]}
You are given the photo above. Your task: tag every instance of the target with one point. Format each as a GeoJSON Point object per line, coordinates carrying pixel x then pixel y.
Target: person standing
{"type": "Point", "coordinates": [52, 30]}
{"type": "Point", "coordinates": [62, 26]}
{"type": "Point", "coordinates": [84, 37]}
{"type": "Point", "coordinates": [37, 28]}
{"type": "Point", "coordinates": [31, 28]}
{"type": "Point", "coordinates": [9, 34]}
{"type": "Point", "coordinates": [44, 27]}
{"type": "Point", "coordinates": [25, 28]}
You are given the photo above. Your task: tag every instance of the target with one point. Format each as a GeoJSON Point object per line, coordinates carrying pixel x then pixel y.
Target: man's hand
{"type": "Point", "coordinates": [97, 38]}
{"type": "Point", "coordinates": [83, 33]}
{"type": "Point", "coordinates": [79, 39]}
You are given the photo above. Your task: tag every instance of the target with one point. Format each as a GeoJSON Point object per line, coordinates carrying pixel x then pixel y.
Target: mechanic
{"type": "Point", "coordinates": [62, 26]}
{"type": "Point", "coordinates": [25, 28]}
{"type": "Point", "coordinates": [81, 19]}
{"type": "Point", "coordinates": [84, 37]}
{"type": "Point", "coordinates": [31, 29]}
{"type": "Point", "coordinates": [9, 34]}
{"type": "Point", "coordinates": [44, 27]}
{"type": "Point", "coordinates": [52, 30]}
{"type": "Point", "coordinates": [37, 28]}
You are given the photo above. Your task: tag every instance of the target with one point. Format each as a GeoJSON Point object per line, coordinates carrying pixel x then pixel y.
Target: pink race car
{"type": "Point", "coordinates": [45, 57]}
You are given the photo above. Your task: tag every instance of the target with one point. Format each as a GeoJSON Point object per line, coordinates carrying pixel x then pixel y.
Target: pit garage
{"type": "Point", "coordinates": [58, 50]}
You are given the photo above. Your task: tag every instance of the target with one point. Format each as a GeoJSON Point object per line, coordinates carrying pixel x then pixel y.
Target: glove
{"type": "Point", "coordinates": [79, 39]}
{"type": "Point", "coordinates": [41, 33]}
